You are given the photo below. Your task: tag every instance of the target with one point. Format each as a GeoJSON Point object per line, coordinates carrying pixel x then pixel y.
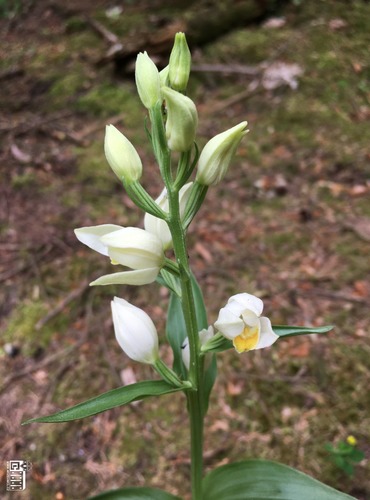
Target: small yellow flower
{"type": "Point", "coordinates": [351, 440]}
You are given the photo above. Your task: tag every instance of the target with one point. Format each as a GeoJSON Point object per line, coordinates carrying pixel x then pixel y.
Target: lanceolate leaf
{"type": "Point", "coordinates": [135, 494]}
{"type": "Point", "coordinates": [265, 480]}
{"type": "Point", "coordinates": [220, 343]}
{"type": "Point", "coordinates": [109, 400]}
{"type": "Point", "coordinates": [292, 331]}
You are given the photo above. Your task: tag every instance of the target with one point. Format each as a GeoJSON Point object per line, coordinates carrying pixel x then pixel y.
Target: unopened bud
{"type": "Point", "coordinates": [180, 62]}
{"type": "Point", "coordinates": [147, 80]}
{"type": "Point", "coordinates": [182, 120]}
{"type": "Point", "coordinates": [121, 155]}
{"type": "Point", "coordinates": [218, 153]}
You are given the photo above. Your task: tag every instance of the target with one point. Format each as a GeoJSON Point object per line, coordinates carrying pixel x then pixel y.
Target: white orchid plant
{"type": "Point", "coordinates": [194, 342]}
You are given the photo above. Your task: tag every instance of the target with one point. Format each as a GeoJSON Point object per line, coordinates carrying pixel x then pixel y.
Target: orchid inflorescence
{"type": "Point", "coordinates": [143, 250]}
{"type": "Point", "coordinates": [146, 255]}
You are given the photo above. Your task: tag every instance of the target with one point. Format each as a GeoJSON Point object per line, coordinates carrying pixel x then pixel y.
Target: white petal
{"type": "Point", "coordinates": [206, 334]}
{"type": "Point", "coordinates": [135, 332]}
{"type": "Point", "coordinates": [135, 258]}
{"type": "Point", "coordinates": [248, 301]}
{"type": "Point", "coordinates": [141, 277]}
{"type": "Point", "coordinates": [250, 318]}
{"type": "Point", "coordinates": [91, 236]}
{"type": "Point", "coordinates": [267, 335]}
{"type": "Point", "coordinates": [228, 324]}
{"type": "Point", "coordinates": [134, 238]}
{"type": "Point", "coordinates": [185, 353]}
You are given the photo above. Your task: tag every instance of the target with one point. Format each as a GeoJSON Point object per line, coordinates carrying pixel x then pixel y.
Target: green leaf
{"type": "Point", "coordinates": [176, 328]}
{"type": "Point", "coordinates": [265, 480]}
{"type": "Point", "coordinates": [356, 455]}
{"type": "Point", "coordinates": [109, 400]}
{"type": "Point", "coordinates": [292, 331]}
{"type": "Point", "coordinates": [135, 494]}
{"type": "Point", "coordinates": [176, 333]}
{"type": "Point", "coordinates": [200, 309]}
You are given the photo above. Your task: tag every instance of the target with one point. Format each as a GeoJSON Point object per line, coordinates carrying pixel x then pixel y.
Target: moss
{"type": "Point", "coordinates": [63, 91]}
{"type": "Point", "coordinates": [21, 325]}
{"type": "Point", "coordinates": [109, 99]}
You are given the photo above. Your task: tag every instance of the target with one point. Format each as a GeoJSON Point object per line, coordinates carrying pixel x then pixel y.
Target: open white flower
{"type": "Point", "coordinates": [135, 248]}
{"type": "Point", "coordinates": [135, 331]}
{"type": "Point", "coordinates": [159, 226]}
{"type": "Point", "coordinates": [241, 321]}
{"type": "Point", "coordinates": [204, 336]}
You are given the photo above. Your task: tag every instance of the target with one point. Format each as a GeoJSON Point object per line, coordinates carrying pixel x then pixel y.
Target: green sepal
{"type": "Point", "coordinates": [135, 494]}
{"type": "Point", "coordinates": [109, 400]}
{"type": "Point", "coordinates": [265, 480]}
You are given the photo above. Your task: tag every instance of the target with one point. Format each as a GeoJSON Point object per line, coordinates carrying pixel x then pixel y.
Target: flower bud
{"type": "Point", "coordinates": [158, 226]}
{"type": "Point", "coordinates": [180, 62]}
{"type": "Point", "coordinates": [182, 120]}
{"type": "Point", "coordinates": [218, 153]}
{"type": "Point", "coordinates": [135, 331]}
{"type": "Point", "coordinates": [147, 80]}
{"type": "Point", "coordinates": [121, 155]}
{"type": "Point", "coordinates": [163, 76]}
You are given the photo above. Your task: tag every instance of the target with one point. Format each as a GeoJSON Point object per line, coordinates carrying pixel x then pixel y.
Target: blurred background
{"type": "Point", "coordinates": [290, 223]}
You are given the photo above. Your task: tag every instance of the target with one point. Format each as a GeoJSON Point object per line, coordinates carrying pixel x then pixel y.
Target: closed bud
{"type": "Point", "coordinates": [180, 62]}
{"type": "Point", "coordinates": [182, 120]}
{"type": "Point", "coordinates": [135, 331]}
{"type": "Point", "coordinates": [218, 153]}
{"type": "Point", "coordinates": [147, 80]}
{"type": "Point", "coordinates": [121, 155]}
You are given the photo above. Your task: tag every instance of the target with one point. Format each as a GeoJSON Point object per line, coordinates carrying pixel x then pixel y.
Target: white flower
{"type": "Point", "coordinates": [147, 80]}
{"type": "Point", "coordinates": [135, 331]}
{"type": "Point", "coordinates": [121, 155]}
{"type": "Point", "coordinates": [182, 120]}
{"type": "Point", "coordinates": [158, 226]}
{"type": "Point", "coordinates": [217, 154]}
{"type": "Point", "coordinates": [129, 246]}
{"type": "Point", "coordinates": [204, 335]}
{"type": "Point", "coordinates": [241, 321]}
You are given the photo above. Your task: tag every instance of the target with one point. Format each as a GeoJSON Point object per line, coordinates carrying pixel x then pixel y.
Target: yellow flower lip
{"type": "Point", "coordinates": [248, 339]}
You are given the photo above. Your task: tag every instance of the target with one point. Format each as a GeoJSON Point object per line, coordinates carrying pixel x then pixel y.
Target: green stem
{"type": "Point", "coordinates": [195, 395]}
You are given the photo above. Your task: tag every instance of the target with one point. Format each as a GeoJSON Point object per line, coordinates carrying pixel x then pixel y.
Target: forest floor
{"type": "Point", "coordinates": [290, 223]}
